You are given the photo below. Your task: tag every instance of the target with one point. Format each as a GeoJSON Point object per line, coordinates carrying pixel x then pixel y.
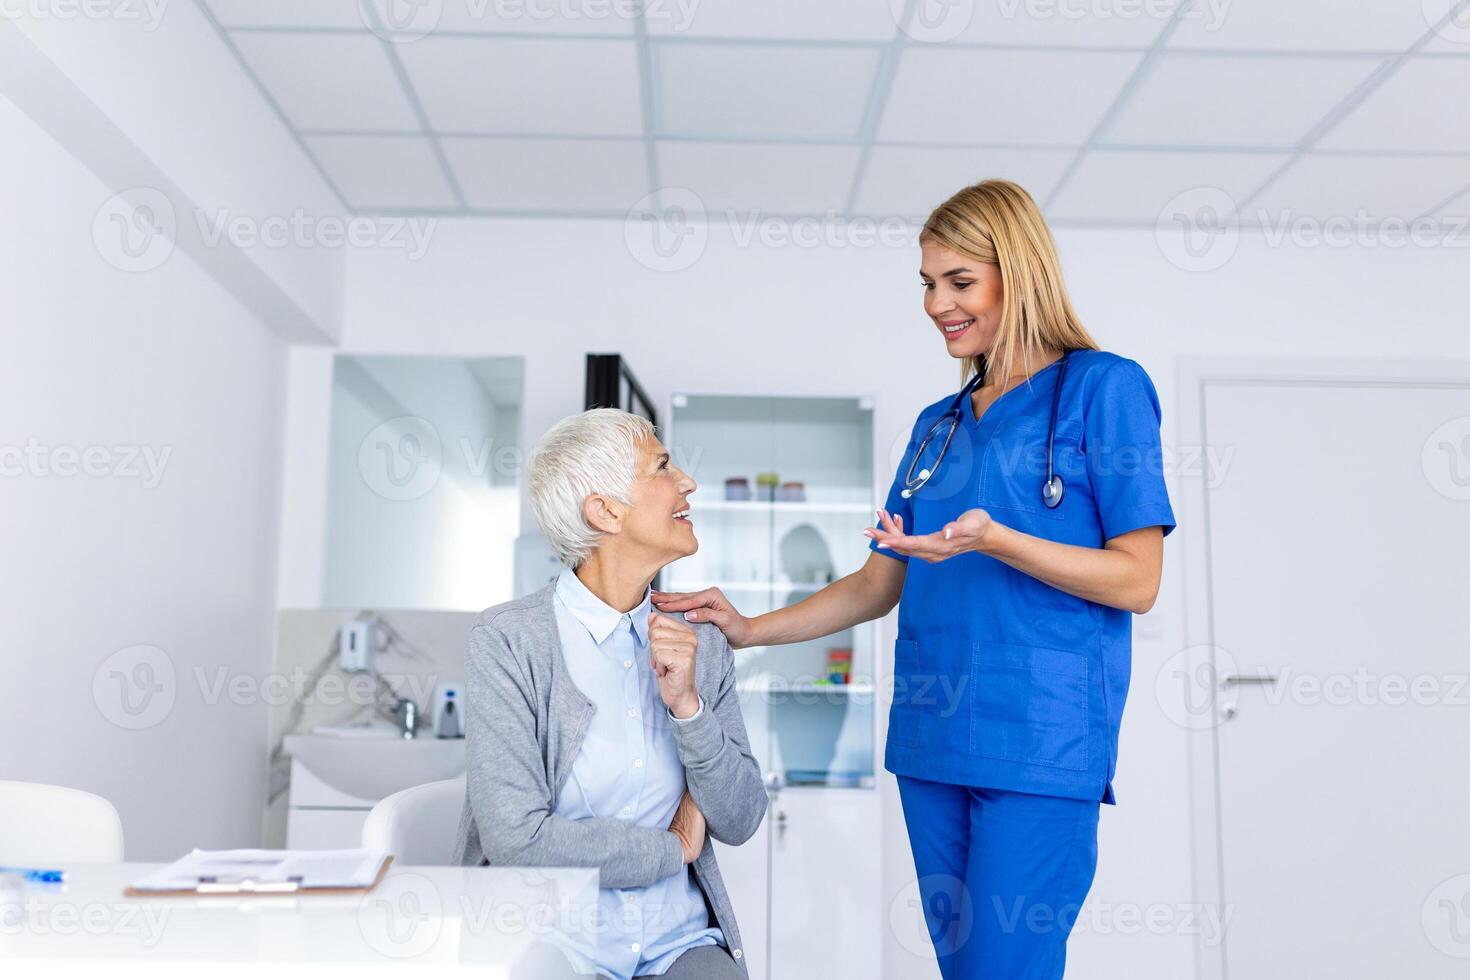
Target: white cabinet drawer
{"type": "Point", "coordinates": [324, 829]}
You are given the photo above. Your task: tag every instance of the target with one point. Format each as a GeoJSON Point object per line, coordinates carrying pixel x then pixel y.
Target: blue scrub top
{"type": "Point", "coordinates": [1000, 680]}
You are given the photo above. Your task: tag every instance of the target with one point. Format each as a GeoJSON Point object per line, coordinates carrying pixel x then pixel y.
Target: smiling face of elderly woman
{"type": "Point", "coordinates": [602, 480]}
{"type": "Point", "coordinates": [656, 523]}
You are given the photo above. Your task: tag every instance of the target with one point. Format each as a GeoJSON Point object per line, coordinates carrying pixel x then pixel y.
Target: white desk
{"type": "Point", "coordinates": [529, 923]}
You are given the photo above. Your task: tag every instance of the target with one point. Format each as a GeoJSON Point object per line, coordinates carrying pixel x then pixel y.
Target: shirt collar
{"type": "Point", "coordinates": [599, 618]}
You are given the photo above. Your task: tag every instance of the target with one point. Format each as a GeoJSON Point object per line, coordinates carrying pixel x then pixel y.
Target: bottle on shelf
{"type": "Point", "coordinates": [839, 664]}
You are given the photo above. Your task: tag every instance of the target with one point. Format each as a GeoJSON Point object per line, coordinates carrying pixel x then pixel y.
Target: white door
{"type": "Point", "coordinates": [825, 884]}
{"type": "Point", "coordinates": [1339, 565]}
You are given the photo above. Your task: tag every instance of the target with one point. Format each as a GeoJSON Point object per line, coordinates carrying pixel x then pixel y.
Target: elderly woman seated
{"type": "Point", "coordinates": [603, 734]}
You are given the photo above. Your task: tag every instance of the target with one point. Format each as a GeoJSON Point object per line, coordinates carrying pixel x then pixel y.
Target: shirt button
{"type": "Point", "coordinates": [632, 712]}
{"type": "Point", "coordinates": [737, 954]}
{"type": "Point", "coordinates": [637, 763]}
{"type": "Point", "coordinates": [635, 947]}
{"type": "Point", "coordinates": [627, 810]}
{"type": "Point", "coordinates": [627, 663]}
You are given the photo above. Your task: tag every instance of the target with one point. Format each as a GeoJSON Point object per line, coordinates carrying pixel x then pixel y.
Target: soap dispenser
{"type": "Point", "coordinates": [448, 711]}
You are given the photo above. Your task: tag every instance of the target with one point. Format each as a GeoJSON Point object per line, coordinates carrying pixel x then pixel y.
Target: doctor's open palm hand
{"type": "Point", "coordinates": [968, 532]}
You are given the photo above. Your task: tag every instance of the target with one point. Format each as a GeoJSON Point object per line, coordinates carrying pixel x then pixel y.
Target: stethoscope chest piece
{"type": "Point", "coordinates": [924, 475]}
{"type": "Point", "coordinates": [1051, 491]}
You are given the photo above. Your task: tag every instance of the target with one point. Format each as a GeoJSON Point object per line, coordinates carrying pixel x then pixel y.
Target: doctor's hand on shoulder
{"type": "Point", "coordinates": [708, 606]}
{"type": "Point", "coordinates": [671, 649]}
{"type": "Point", "coordinates": [971, 531]}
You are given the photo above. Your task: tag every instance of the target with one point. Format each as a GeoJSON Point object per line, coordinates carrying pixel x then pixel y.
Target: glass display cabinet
{"type": "Point", "coordinates": [785, 489]}
{"type": "Point", "coordinates": [786, 486]}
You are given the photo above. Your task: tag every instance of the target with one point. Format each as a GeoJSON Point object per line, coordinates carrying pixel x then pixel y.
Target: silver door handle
{"type": "Point", "coordinates": [1230, 679]}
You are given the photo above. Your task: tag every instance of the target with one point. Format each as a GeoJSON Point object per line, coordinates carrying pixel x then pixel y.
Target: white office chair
{"type": "Point", "coordinates": [418, 825]}
{"type": "Point", "coordinates": [42, 825]}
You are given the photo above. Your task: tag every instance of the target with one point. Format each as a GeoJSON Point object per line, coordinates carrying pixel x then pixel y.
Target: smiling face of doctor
{"type": "Point", "coordinates": [964, 297]}
{"type": "Point", "coordinates": [993, 284]}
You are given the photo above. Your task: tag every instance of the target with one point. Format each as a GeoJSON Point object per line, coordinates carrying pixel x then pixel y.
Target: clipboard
{"type": "Point", "coordinates": [254, 887]}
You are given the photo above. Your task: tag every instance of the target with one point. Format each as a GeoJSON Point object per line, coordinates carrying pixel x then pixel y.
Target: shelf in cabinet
{"type": "Point", "coordinates": [800, 780]}
{"type": "Point", "coordinates": [748, 585]}
{"type": "Point", "coordinates": [781, 687]}
{"type": "Point", "coordinates": [779, 507]}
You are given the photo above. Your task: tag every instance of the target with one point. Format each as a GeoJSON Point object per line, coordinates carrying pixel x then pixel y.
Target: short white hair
{"type": "Point", "coordinates": [595, 452]}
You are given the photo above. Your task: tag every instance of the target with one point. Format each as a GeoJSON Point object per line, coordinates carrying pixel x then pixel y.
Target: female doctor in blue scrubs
{"type": "Point", "coordinates": [1024, 529]}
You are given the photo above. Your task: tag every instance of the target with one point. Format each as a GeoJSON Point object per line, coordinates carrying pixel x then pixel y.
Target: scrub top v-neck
{"type": "Point", "coordinates": [1038, 378]}
{"type": "Point", "coordinates": [1000, 680]}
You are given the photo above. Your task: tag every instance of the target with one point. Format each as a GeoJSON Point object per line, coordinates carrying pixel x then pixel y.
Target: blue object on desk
{"type": "Point", "coordinates": [34, 874]}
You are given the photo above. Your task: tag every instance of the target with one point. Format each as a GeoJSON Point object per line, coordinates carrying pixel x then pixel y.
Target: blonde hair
{"type": "Point", "coordinates": [997, 222]}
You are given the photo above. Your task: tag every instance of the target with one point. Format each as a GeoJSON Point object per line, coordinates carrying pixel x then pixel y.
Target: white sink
{"type": "Point", "coordinates": [370, 768]}
{"type": "Point", "coordinates": [360, 729]}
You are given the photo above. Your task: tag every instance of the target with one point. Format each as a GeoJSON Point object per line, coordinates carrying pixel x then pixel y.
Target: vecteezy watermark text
{"type": "Point", "coordinates": [406, 21]}
{"type": "Point", "coordinates": [402, 458]}
{"type": "Point", "coordinates": [136, 230]}
{"type": "Point", "coordinates": [124, 462]}
{"type": "Point", "coordinates": [1200, 229]}
{"type": "Point", "coordinates": [938, 21]}
{"type": "Point", "coordinates": [668, 230]}
{"type": "Point", "coordinates": [147, 13]}
{"type": "Point", "coordinates": [37, 915]}
{"type": "Point", "coordinates": [137, 687]}
{"type": "Point", "coordinates": [301, 229]}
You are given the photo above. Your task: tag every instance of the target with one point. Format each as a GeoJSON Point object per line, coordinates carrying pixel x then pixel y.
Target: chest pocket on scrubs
{"type": "Point", "coordinates": [1029, 704]}
{"type": "Point", "coordinates": [1015, 465]}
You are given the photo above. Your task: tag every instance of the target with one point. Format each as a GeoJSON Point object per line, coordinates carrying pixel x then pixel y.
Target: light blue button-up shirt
{"type": "Point", "coordinates": [628, 768]}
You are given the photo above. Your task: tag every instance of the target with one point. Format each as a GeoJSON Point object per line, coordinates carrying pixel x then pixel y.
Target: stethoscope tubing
{"type": "Point", "coordinates": [1051, 490]}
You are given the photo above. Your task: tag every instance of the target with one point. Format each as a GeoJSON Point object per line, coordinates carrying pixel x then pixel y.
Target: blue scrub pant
{"type": "Point", "coordinates": [1002, 876]}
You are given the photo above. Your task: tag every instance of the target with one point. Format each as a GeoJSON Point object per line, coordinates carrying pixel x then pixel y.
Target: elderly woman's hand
{"type": "Point", "coordinates": [671, 646]}
{"type": "Point", "coordinates": [688, 825]}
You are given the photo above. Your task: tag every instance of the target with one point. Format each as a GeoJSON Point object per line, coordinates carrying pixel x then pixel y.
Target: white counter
{"type": "Point", "coordinates": [501, 922]}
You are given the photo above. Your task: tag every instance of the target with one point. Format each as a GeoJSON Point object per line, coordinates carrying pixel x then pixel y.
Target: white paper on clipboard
{"type": "Point", "coordinates": [351, 868]}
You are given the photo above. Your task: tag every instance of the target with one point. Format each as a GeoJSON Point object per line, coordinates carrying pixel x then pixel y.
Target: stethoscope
{"type": "Point", "coordinates": [1051, 490]}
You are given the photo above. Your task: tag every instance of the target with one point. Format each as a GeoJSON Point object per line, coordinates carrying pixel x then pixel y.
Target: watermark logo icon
{"type": "Point", "coordinates": [933, 912]}
{"type": "Point", "coordinates": [135, 687]}
{"type": "Point", "coordinates": [933, 21]}
{"type": "Point", "coordinates": [1455, 27]}
{"type": "Point", "coordinates": [1445, 917]}
{"type": "Point", "coordinates": [134, 230]}
{"type": "Point", "coordinates": [403, 917]}
{"type": "Point", "coordinates": [401, 21]}
{"type": "Point", "coordinates": [1197, 230]}
{"type": "Point", "coordinates": [949, 457]}
{"type": "Point", "coordinates": [1445, 459]}
{"type": "Point", "coordinates": [401, 459]}
{"type": "Point", "coordinates": [1188, 685]}
{"type": "Point", "coordinates": [667, 230]}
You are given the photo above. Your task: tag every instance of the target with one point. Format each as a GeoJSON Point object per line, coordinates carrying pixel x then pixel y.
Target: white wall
{"type": "Point", "coordinates": [167, 362]}
{"type": "Point", "coordinates": [155, 103]}
{"type": "Point", "coordinates": [844, 320]}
